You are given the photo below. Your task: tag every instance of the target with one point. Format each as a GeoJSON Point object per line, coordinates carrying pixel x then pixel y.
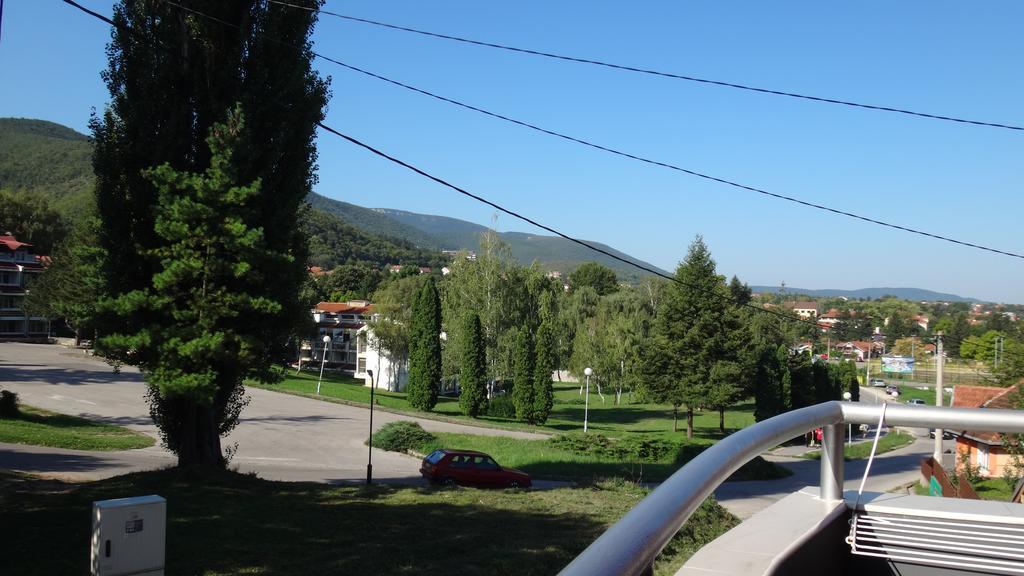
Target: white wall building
{"type": "Point", "coordinates": [388, 373]}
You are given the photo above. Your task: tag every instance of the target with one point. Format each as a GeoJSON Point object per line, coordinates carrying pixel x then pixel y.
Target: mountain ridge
{"type": "Point", "coordinates": [913, 294]}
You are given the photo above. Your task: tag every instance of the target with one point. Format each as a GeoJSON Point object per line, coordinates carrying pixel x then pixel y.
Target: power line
{"type": "Point", "coordinates": [484, 200]}
{"type": "Point", "coordinates": [620, 152]}
{"type": "Point", "coordinates": [650, 71]}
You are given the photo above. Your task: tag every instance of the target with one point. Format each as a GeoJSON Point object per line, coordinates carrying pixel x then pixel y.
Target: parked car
{"type": "Point", "coordinates": [470, 468]}
{"type": "Point", "coordinates": [946, 435]}
{"type": "Point", "coordinates": [892, 390]}
{"type": "Point", "coordinates": [877, 383]}
{"type": "Point", "coordinates": [916, 402]}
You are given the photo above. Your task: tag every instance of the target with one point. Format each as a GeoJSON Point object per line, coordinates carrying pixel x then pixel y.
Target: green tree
{"type": "Point", "coordinates": [473, 398]}
{"type": "Point", "coordinates": [597, 276]}
{"type": "Point", "coordinates": [173, 80]}
{"type": "Point", "coordinates": [543, 394]}
{"type": "Point", "coordinates": [190, 349]}
{"type": "Point", "coordinates": [425, 348]}
{"type": "Point", "coordinates": [30, 218]}
{"type": "Point", "coordinates": [523, 392]}
{"type": "Point", "coordinates": [71, 286]}
{"type": "Point", "coordinates": [392, 323]}
{"type": "Point", "coordinates": [724, 389]}
{"type": "Point", "coordinates": [694, 330]}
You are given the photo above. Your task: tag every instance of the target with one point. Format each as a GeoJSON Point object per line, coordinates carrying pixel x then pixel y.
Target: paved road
{"type": "Point", "coordinates": [280, 436]}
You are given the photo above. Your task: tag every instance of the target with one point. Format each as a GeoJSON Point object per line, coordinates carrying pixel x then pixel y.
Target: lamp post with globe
{"type": "Point", "coordinates": [327, 345]}
{"type": "Point", "coordinates": [586, 403]}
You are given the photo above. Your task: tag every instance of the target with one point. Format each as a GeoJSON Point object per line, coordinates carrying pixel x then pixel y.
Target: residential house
{"type": "Point", "coordinates": [986, 450]}
{"type": "Point", "coordinates": [922, 321]}
{"type": "Point", "coordinates": [805, 309]}
{"type": "Point", "coordinates": [340, 321]}
{"type": "Point", "coordinates": [389, 373]}
{"type": "Point", "coordinates": [859, 350]}
{"type": "Point", "coordinates": [17, 266]}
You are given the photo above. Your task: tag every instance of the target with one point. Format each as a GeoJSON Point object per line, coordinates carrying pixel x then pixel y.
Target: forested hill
{"type": "Point", "coordinates": [50, 161]}
{"type": "Point", "coordinates": [45, 158]}
{"type": "Point", "coordinates": [448, 233]}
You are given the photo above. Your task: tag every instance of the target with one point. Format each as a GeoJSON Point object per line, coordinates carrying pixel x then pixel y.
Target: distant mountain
{"type": "Point", "coordinates": [913, 294]}
{"type": "Point", "coordinates": [373, 221]}
{"type": "Point", "coordinates": [55, 161]}
{"type": "Point", "coordinates": [552, 252]}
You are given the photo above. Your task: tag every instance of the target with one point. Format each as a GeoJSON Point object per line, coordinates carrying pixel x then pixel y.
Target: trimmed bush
{"type": "Point", "coordinates": [8, 404]}
{"type": "Point", "coordinates": [401, 436]}
{"type": "Point", "coordinates": [641, 448]}
{"type": "Point", "coordinates": [501, 407]}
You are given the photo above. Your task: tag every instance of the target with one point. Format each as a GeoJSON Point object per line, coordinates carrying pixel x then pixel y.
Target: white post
{"type": "Point", "coordinates": [938, 395]}
{"type": "Point", "coordinates": [327, 343]}
{"type": "Point", "coordinates": [586, 403]}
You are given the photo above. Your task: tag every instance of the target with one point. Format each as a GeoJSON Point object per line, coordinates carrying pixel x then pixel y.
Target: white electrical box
{"type": "Point", "coordinates": [128, 536]}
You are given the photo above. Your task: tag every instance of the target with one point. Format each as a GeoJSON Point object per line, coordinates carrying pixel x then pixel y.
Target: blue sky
{"type": "Point", "coordinates": [942, 57]}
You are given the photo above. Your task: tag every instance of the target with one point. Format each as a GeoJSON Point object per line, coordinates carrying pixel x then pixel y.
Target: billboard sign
{"type": "Point", "coordinates": [898, 364]}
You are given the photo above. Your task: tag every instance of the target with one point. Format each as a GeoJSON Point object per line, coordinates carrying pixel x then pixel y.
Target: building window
{"type": "Point", "coordinates": [361, 365]}
{"type": "Point", "coordinates": [361, 344]}
{"type": "Point", "coordinates": [37, 326]}
{"type": "Point", "coordinates": [983, 458]}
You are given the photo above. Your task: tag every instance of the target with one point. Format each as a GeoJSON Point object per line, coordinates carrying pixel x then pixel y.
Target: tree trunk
{"type": "Point", "coordinates": [721, 420]}
{"type": "Point", "coordinates": [689, 422]}
{"type": "Point", "coordinates": [675, 415]}
{"type": "Point", "coordinates": [78, 338]}
{"type": "Point", "coordinates": [200, 441]}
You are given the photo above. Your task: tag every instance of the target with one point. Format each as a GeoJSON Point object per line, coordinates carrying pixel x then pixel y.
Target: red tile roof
{"type": "Point", "coordinates": [11, 242]}
{"type": "Point", "coordinates": [984, 397]}
{"type": "Point", "coordinates": [354, 307]}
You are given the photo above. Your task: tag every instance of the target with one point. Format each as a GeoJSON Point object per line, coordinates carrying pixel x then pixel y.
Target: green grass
{"type": "Point", "coordinates": [860, 450]}
{"type": "Point", "coordinates": [226, 524]}
{"type": "Point", "coordinates": [542, 459]}
{"type": "Point", "coordinates": [910, 393]}
{"type": "Point", "coordinates": [993, 489]}
{"type": "Point", "coordinates": [42, 428]}
{"type": "Point", "coordinates": [566, 416]}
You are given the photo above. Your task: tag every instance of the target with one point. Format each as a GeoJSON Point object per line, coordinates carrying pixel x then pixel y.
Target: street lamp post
{"type": "Point", "coordinates": [849, 425]}
{"type": "Point", "coordinates": [369, 456]}
{"type": "Point", "coordinates": [327, 343]}
{"type": "Point", "coordinates": [586, 403]}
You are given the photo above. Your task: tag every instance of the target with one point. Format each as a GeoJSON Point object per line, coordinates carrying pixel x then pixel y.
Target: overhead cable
{"type": "Point", "coordinates": [648, 71]}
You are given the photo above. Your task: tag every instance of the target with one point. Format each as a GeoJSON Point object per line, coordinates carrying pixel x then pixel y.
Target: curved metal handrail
{"type": "Point", "coordinates": [631, 544]}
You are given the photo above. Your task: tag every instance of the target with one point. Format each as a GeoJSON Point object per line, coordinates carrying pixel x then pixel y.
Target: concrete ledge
{"type": "Point", "coordinates": [763, 541]}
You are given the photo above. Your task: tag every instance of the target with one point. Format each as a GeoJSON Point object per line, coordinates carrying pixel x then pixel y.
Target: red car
{"type": "Point", "coordinates": [471, 468]}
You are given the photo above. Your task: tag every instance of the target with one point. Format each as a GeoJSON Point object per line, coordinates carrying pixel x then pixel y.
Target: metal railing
{"type": "Point", "coordinates": [630, 546]}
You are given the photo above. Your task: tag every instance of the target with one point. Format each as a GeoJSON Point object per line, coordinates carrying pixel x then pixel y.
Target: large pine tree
{"type": "Point", "coordinates": [172, 76]}
{"type": "Point", "coordinates": [425, 348]}
{"type": "Point", "coordinates": [694, 330]}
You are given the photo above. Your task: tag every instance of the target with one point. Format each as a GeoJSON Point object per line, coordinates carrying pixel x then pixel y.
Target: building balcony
{"type": "Point", "coordinates": [821, 529]}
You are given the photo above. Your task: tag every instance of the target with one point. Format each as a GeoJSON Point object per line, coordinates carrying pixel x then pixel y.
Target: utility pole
{"type": "Point", "coordinates": [938, 394]}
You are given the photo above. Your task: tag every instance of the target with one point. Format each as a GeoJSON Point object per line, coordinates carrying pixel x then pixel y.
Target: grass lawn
{"type": "Point", "coordinates": [226, 523]}
{"type": "Point", "coordinates": [42, 428]}
{"type": "Point", "coordinates": [566, 416]}
{"type": "Point", "coordinates": [993, 489]}
{"type": "Point", "coordinates": [887, 443]}
{"type": "Point", "coordinates": [910, 392]}
{"type": "Point", "coordinates": [541, 458]}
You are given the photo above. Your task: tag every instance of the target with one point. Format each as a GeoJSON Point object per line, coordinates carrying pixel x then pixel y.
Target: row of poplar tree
{"type": "Point", "coordinates": [696, 342]}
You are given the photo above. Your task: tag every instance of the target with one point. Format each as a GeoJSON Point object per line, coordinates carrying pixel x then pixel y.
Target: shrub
{"type": "Point", "coordinates": [501, 407]}
{"type": "Point", "coordinates": [642, 448]}
{"type": "Point", "coordinates": [8, 404]}
{"type": "Point", "coordinates": [401, 436]}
